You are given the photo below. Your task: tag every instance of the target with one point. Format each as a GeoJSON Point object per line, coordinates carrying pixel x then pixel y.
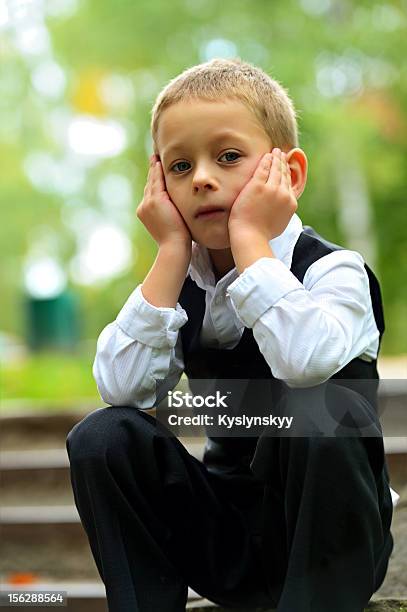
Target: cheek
{"type": "Point", "coordinates": [172, 189]}
{"type": "Point", "coordinates": [244, 175]}
{"type": "Point", "coordinates": [252, 164]}
{"type": "Point", "coordinates": [177, 196]}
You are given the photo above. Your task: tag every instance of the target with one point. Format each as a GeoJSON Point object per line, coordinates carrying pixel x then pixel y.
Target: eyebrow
{"type": "Point", "coordinates": [224, 135]}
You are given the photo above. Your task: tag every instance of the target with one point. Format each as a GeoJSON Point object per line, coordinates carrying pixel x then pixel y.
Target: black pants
{"type": "Point", "coordinates": [310, 532]}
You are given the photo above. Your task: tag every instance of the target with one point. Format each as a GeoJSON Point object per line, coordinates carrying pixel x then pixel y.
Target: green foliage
{"type": "Point", "coordinates": [50, 376]}
{"type": "Point", "coordinates": [149, 43]}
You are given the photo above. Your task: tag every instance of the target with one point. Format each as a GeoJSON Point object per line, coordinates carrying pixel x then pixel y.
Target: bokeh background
{"type": "Point", "coordinates": [77, 82]}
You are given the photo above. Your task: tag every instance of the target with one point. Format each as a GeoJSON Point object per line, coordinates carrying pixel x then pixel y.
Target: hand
{"type": "Point", "coordinates": [158, 213]}
{"type": "Point", "coordinates": [267, 202]}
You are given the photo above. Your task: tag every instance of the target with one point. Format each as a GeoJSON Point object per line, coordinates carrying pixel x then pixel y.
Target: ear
{"type": "Point", "coordinates": [298, 165]}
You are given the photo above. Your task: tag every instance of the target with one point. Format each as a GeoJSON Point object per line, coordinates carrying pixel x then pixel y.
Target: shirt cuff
{"type": "Point", "coordinates": [259, 287]}
{"type": "Point", "coordinates": [156, 326]}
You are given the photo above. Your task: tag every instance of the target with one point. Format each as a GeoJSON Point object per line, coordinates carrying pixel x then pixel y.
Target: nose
{"type": "Point", "coordinates": [203, 179]}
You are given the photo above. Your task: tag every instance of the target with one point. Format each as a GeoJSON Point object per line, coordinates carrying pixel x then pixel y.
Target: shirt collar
{"type": "Point", "coordinates": [200, 268]}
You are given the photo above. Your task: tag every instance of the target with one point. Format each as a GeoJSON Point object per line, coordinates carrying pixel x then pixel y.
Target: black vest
{"type": "Point", "coordinates": [245, 361]}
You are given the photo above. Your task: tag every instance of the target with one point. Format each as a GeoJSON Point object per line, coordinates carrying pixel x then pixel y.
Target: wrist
{"type": "Point", "coordinates": [175, 257]}
{"type": "Point", "coordinates": [176, 248]}
{"type": "Point", "coordinates": [244, 237]}
{"type": "Point", "coordinates": [247, 248]}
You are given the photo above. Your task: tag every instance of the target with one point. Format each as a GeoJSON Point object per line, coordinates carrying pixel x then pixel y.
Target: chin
{"type": "Point", "coordinates": [216, 244]}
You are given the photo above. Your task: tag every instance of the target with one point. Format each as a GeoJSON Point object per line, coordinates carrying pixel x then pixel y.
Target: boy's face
{"type": "Point", "coordinates": [209, 151]}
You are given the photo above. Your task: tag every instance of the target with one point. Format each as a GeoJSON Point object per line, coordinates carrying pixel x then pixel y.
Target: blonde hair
{"type": "Point", "coordinates": [233, 78]}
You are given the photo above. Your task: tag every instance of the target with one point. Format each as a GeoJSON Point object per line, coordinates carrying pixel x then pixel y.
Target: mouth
{"type": "Point", "coordinates": [211, 213]}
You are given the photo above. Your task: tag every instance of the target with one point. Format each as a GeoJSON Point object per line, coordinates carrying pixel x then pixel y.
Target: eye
{"type": "Point", "coordinates": [180, 166]}
{"type": "Point", "coordinates": [230, 153]}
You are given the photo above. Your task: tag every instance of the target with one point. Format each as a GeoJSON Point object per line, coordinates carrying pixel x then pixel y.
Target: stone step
{"type": "Point", "coordinates": [32, 538]}
{"type": "Point", "coordinates": [57, 458]}
{"type": "Point", "coordinates": [42, 476]}
{"type": "Point", "coordinates": [84, 596]}
{"type": "Point", "coordinates": [81, 596]}
{"type": "Point", "coordinates": [42, 430]}
{"type": "Point", "coordinates": [35, 477]}
{"type": "Point", "coordinates": [379, 605]}
{"type": "Point", "coordinates": [48, 429]}
{"type": "Point", "coordinates": [37, 430]}
{"type": "Point", "coordinates": [50, 542]}
{"type": "Point", "coordinates": [90, 597]}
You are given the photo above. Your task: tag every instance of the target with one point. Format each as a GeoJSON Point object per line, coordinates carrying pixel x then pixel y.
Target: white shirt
{"type": "Point", "coordinates": [306, 331]}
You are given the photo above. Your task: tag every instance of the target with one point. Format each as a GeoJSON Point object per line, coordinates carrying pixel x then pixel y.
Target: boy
{"type": "Point", "coordinates": [239, 290]}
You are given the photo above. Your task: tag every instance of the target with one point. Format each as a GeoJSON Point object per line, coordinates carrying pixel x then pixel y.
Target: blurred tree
{"type": "Point", "coordinates": [343, 62]}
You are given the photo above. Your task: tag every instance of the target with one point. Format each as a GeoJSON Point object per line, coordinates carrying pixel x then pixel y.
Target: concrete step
{"type": "Point", "coordinates": [42, 476]}
{"type": "Point", "coordinates": [40, 530]}
{"type": "Point", "coordinates": [35, 477]}
{"type": "Point", "coordinates": [50, 542]}
{"type": "Point", "coordinates": [81, 596]}
{"type": "Point", "coordinates": [90, 597]}
{"type": "Point", "coordinates": [84, 596]}
{"type": "Point", "coordinates": [38, 430]}
{"type": "Point", "coordinates": [48, 429]}
{"type": "Point", "coordinates": [380, 605]}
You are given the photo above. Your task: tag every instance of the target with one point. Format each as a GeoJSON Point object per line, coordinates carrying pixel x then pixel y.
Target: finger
{"type": "Point", "coordinates": [283, 166]}
{"type": "Point", "coordinates": [147, 188]}
{"type": "Point", "coordinates": [263, 168]}
{"type": "Point", "coordinates": [286, 172]}
{"type": "Point", "coordinates": [158, 181]}
{"type": "Point", "coordinates": [276, 168]}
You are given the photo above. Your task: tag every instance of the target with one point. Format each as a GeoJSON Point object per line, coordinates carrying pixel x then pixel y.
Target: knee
{"type": "Point", "coordinates": [88, 435]}
{"type": "Point", "coordinates": [333, 460]}
{"type": "Point", "coordinates": [97, 431]}
{"type": "Point", "coordinates": [326, 448]}
{"type": "Point", "coordinates": [279, 457]}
